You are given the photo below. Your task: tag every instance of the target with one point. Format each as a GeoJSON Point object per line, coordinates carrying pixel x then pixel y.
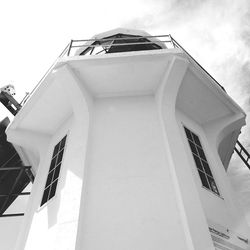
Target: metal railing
{"type": "Point", "coordinates": [7, 197]}
{"type": "Point", "coordinates": [243, 153]}
{"type": "Point", "coordinates": [76, 47]}
{"type": "Point", "coordinates": [80, 45]}
{"type": "Point", "coordinates": [106, 43]}
{"type": "Point", "coordinates": [190, 57]}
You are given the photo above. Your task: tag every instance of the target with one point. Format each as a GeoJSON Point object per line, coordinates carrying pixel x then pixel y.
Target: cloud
{"type": "Point", "coordinates": [217, 35]}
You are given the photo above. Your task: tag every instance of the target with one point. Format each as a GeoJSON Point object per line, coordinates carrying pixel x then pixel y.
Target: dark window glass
{"type": "Point", "coordinates": [207, 168]}
{"type": "Point", "coordinates": [57, 171]}
{"type": "Point", "coordinates": [63, 142]}
{"type": "Point", "coordinates": [193, 148]}
{"type": "Point", "coordinates": [45, 196]}
{"type": "Point", "coordinates": [53, 163]}
{"type": "Point", "coordinates": [201, 153]}
{"type": "Point", "coordinates": [53, 189]}
{"type": "Point", "coordinates": [197, 140]}
{"type": "Point", "coordinates": [59, 158]}
{"type": "Point", "coordinates": [203, 179]}
{"type": "Point", "coordinates": [212, 184]}
{"type": "Point", "coordinates": [56, 149]}
{"type": "Point", "coordinates": [198, 162]}
{"type": "Point", "coordinates": [200, 159]}
{"type": "Point", "coordinates": [49, 179]}
{"type": "Point", "coordinates": [54, 171]}
{"type": "Point", "coordinates": [189, 135]}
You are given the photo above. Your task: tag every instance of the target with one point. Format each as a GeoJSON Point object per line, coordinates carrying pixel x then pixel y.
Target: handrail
{"type": "Point", "coordinates": [50, 68]}
{"type": "Point", "coordinates": [179, 46]}
{"type": "Point", "coordinates": [119, 38]}
{"type": "Point", "coordinates": [73, 44]}
{"type": "Point", "coordinates": [172, 41]}
{"type": "Point", "coordinates": [11, 194]}
{"type": "Point", "coordinates": [116, 44]}
{"type": "Point", "coordinates": [239, 152]}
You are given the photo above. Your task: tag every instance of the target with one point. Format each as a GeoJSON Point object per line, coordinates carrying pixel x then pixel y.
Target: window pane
{"type": "Point", "coordinates": [201, 153]}
{"type": "Point", "coordinates": [193, 148]}
{"type": "Point", "coordinates": [45, 196]}
{"type": "Point", "coordinates": [54, 171]}
{"type": "Point", "coordinates": [49, 179]}
{"type": "Point", "coordinates": [57, 171]}
{"type": "Point", "coordinates": [56, 149]}
{"type": "Point", "coordinates": [196, 140]}
{"type": "Point", "coordinates": [53, 190]}
{"type": "Point", "coordinates": [59, 159]}
{"type": "Point", "coordinates": [63, 142]}
{"type": "Point", "coordinates": [203, 179]}
{"type": "Point", "coordinates": [201, 161]}
{"type": "Point", "coordinates": [207, 168]}
{"type": "Point", "coordinates": [213, 185]}
{"type": "Point", "coordinates": [188, 133]}
{"type": "Point", "coordinates": [53, 164]}
{"type": "Point", "coordinates": [198, 162]}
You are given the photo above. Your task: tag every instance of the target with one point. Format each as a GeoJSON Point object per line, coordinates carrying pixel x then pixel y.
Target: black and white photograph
{"type": "Point", "coordinates": [125, 125]}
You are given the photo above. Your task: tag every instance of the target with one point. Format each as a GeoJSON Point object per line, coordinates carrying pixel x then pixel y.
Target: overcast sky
{"type": "Point", "coordinates": [216, 33]}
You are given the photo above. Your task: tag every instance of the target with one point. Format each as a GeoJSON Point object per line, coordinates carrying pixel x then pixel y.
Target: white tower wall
{"type": "Point", "coordinates": [128, 179]}
{"type": "Point", "coordinates": [129, 195]}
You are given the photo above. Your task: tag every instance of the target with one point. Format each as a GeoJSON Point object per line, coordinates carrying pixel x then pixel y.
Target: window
{"type": "Point", "coordinates": [54, 170]}
{"type": "Point", "coordinates": [200, 159]}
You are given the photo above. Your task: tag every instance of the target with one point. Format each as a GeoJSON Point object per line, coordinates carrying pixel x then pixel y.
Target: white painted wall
{"type": "Point", "coordinates": [57, 221]}
{"type": "Point", "coordinates": [9, 231]}
{"type": "Point", "coordinates": [128, 180]}
{"type": "Point", "coordinates": [228, 214]}
{"type": "Point", "coordinates": [191, 211]}
{"type": "Point", "coordinates": [129, 200]}
{"type": "Point", "coordinates": [59, 216]}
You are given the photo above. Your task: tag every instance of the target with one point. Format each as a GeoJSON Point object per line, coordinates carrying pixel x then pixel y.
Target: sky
{"type": "Point", "coordinates": [216, 33]}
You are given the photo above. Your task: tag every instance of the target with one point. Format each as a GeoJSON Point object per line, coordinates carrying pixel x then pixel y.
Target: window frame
{"type": "Point", "coordinates": [53, 175]}
{"type": "Point", "coordinates": [201, 162]}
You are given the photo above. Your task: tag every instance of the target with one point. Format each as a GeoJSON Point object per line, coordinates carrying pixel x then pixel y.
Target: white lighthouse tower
{"type": "Point", "coordinates": [129, 140]}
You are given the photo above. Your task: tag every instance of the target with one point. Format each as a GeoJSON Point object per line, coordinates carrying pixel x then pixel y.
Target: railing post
{"type": "Point", "coordinates": [70, 45]}
{"type": "Point", "coordinates": [172, 41]}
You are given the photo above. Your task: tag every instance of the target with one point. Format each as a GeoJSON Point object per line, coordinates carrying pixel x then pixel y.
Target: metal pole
{"type": "Point", "coordinates": [14, 168]}
{"type": "Point", "coordinates": [179, 46]}
{"type": "Point", "coordinates": [5, 195]}
{"type": "Point", "coordinates": [70, 46]}
{"type": "Point", "coordinates": [119, 38]}
{"type": "Point", "coordinates": [117, 44]}
{"type": "Point", "coordinates": [11, 215]}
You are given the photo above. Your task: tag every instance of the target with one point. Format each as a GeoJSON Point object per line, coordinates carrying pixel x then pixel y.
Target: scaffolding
{"type": "Point", "coordinates": [14, 175]}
